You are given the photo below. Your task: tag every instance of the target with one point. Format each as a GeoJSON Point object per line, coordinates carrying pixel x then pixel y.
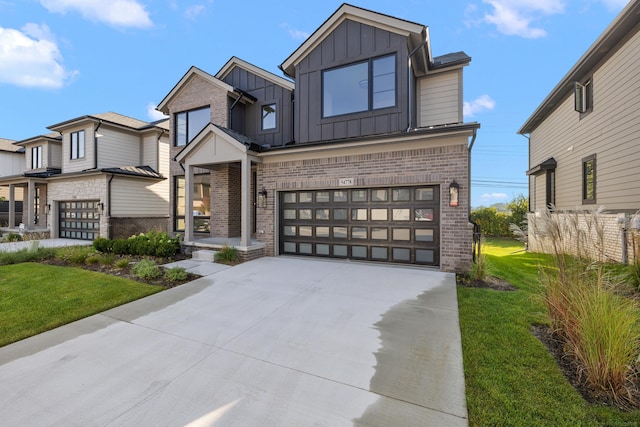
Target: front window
{"type": "Point", "coordinates": [189, 123]}
{"type": "Point", "coordinates": [77, 145]}
{"type": "Point", "coordinates": [36, 157]}
{"type": "Point", "coordinates": [269, 117]}
{"type": "Point", "coordinates": [347, 90]}
{"type": "Point", "coordinates": [201, 208]}
{"type": "Point", "coordinates": [589, 180]}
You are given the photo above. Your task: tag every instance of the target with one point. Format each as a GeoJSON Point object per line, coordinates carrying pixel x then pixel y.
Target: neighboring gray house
{"type": "Point", "coordinates": [100, 175]}
{"type": "Point", "coordinates": [584, 140]}
{"type": "Point", "coordinates": [362, 155]}
{"type": "Point", "coordinates": [11, 162]}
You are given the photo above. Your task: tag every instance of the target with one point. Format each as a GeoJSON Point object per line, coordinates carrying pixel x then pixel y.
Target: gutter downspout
{"type": "Point", "coordinates": [409, 97]}
{"type": "Point", "coordinates": [95, 145]}
{"type": "Point", "coordinates": [477, 232]}
{"type": "Point", "coordinates": [230, 121]}
{"type": "Point", "coordinates": [110, 232]}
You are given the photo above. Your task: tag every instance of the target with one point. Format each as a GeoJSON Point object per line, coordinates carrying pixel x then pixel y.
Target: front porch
{"type": "Point", "coordinates": [255, 249]}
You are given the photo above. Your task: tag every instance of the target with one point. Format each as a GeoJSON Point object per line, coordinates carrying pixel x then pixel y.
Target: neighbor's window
{"type": "Point", "coordinates": [583, 96]}
{"type": "Point", "coordinates": [589, 179]}
{"type": "Point", "coordinates": [36, 157]}
{"type": "Point", "coordinates": [269, 117]}
{"type": "Point", "coordinates": [77, 145]}
{"type": "Point", "coordinates": [189, 123]}
{"type": "Point", "coordinates": [347, 90]}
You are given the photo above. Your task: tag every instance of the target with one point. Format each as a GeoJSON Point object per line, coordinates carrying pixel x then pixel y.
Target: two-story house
{"type": "Point", "coordinates": [583, 142]}
{"type": "Point", "coordinates": [102, 175]}
{"type": "Point", "coordinates": [11, 163]}
{"type": "Point", "coordinates": [359, 152]}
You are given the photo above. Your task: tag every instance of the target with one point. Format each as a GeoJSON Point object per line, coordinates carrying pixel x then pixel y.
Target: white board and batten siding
{"type": "Point", "coordinates": [611, 131]}
{"type": "Point", "coordinates": [440, 99]}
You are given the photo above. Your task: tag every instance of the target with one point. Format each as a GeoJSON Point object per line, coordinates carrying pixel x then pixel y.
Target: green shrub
{"type": "Point", "coordinates": [103, 245]}
{"type": "Point", "coordinates": [122, 263]}
{"type": "Point", "coordinates": [74, 254]}
{"type": "Point", "coordinates": [13, 237]}
{"type": "Point", "coordinates": [227, 255]}
{"type": "Point", "coordinates": [176, 274]}
{"type": "Point", "coordinates": [120, 247]}
{"type": "Point", "coordinates": [146, 269]}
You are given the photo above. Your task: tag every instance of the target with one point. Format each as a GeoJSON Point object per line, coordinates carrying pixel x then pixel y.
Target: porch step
{"type": "Point", "coordinates": [203, 255]}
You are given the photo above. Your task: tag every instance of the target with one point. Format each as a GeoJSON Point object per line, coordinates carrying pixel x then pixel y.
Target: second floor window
{"type": "Point", "coordinates": [77, 145]}
{"type": "Point", "coordinates": [358, 87]}
{"type": "Point", "coordinates": [189, 123]}
{"type": "Point", "coordinates": [36, 157]}
{"type": "Point", "coordinates": [269, 116]}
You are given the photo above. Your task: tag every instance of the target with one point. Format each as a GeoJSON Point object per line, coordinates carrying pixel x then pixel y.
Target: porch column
{"type": "Point", "coordinates": [245, 205]}
{"type": "Point", "coordinates": [31, 192]}
{"type": "Point", "coordinates": [12, 206]}
{"type": "Point", "coordinates": [188, 204]}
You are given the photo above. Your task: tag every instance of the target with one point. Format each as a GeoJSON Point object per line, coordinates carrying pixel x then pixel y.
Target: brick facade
{"type": "Point", "coordinates": [432, 165]}
{"type": "Point", "coordinates": [225, 201]}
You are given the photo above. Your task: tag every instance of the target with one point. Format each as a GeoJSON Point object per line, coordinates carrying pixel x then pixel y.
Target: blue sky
{"type": "Point", "coordinates": [61, 59]}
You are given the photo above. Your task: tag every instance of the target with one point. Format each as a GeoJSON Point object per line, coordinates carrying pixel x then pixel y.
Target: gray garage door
{"type": "Point", "coordinates": [79, 220]}
{"type": "Point", "coordinates": [391, 224]}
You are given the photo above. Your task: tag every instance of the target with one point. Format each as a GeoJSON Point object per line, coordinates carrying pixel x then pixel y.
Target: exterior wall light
{"type": "Point", "coordinates": [101, 206]}
{"type": "Point", "coordinates": [262, 198]}
{"type": "Point", "coordinates": [454, 191]}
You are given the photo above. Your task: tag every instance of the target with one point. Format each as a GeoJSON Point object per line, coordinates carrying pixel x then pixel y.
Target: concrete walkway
{"type": "Point", "coordinates": [272, 342]}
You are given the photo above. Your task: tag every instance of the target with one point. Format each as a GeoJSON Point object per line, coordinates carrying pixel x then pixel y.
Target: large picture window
{"type": "Point", "coordinates": [201, 208]}
{"type": "Point", "coordinates": [589, 179]}
{"type": "Point", "coordinates": [77, 145]}
{"type": "Point", "coordinates": [348, 90]}
{"type": "Point", "coordinates": [189, 123]}
{"type": "Point", "coordinates": [36, 157]}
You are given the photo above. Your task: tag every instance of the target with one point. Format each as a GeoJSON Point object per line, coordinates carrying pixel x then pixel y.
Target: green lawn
{"type": "Point", "coordinates": [511, 379]}
{"type": "Point", "coordinates": [37, 297]}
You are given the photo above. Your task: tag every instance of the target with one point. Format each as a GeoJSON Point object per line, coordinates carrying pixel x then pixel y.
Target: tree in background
{"type": "Point", "coordinates": [495, 223]}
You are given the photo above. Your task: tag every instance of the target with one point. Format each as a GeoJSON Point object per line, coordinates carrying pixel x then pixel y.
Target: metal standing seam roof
{"type": "Point", "coordinates": [141, 171]}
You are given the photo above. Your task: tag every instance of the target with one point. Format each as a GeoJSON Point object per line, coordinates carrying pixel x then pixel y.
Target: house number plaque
{"type": "Point", "coordinates": [345, 182]}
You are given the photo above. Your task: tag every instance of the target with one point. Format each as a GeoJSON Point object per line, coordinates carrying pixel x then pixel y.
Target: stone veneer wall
{"type": "Point", "coordinates": [430, 165]}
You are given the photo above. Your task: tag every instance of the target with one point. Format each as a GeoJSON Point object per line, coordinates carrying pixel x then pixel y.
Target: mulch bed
{"type": "Point", "coordinates": [488, 282]}
{"type": "Point", "coordinates": [127, 273]}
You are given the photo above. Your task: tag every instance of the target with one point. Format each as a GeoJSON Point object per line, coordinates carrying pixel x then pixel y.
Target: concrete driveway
{"type": "Point", "coordinates": [272, 342]}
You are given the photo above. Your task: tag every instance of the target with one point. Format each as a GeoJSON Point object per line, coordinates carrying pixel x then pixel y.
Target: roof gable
{"type": "Point", "coordinates": [237, 62]}
{"type": "Point", "coordinates": [8, 145]}
{"type": "Point", "coordinates": [417, 34]}
{"type": "Point", "coordinates": [193, 71]}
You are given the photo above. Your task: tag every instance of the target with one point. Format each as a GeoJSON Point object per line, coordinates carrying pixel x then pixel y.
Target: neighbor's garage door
{"type": "Point", "coordinates": [79, 220]}
{"type": "Point", "coordinates": [394, 224]}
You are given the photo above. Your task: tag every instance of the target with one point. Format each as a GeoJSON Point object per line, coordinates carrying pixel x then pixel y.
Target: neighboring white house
{"type": "Point", "coordinates": [96, 175]}
{"type": "Point", "coordinates": [584, 141]}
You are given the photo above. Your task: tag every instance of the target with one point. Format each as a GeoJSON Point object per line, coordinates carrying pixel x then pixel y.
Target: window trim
{"type": "Point", "coordinates": [589, 200]}
{"type": "Point", "coordinates": [188, 138]}
{"type": "Point", "coordinates": [176, 217]}
{"type": "Point", "coordinates": [36, 157]}
{"type": "Point", "coordinates": [75, 146]}
{"type": "Point", "coordinates": [370, 87]}
{"type": "Point", "coordinates": [275, 126]}
{"type": "Point", "coordinates": [583, 96]}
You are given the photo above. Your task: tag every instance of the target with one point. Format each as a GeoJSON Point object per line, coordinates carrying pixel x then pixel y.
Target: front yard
{"type": "Point", "coordinates": [36, 297]}
{"type": "Point", "coordinates": [511, 378]}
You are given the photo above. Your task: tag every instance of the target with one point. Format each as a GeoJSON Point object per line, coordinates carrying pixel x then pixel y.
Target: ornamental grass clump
{"type": "Point", "coordinates": [146, 269]}
{"type": "Point", "coordinates": [588, 307]}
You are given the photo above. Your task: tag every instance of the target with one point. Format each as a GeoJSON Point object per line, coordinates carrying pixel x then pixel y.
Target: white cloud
{"type": "Point", "coordinates": [517, 17]}
{"type": "Point", "coordinates": [295, 33]}
{"type": "Point", "coordinates": [479, 105]}
{"type": "Point", "coordinates": [193, 11]}
{"type": "Point", "coordinates": [31, 58]}
{"type": "Point", "coordinates": [153, 113]}
{"type": "Point", "coordinates": [491, 198]}
{"type": "Point", "coordinates": [118, 13]}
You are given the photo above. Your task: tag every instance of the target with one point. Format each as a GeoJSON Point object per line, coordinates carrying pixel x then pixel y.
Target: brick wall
{"type": "Point", "coordinates": [431, 165]}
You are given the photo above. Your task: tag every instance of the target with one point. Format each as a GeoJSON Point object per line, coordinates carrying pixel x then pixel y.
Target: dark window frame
{"type": "Point", "coordinates": [583, 96]}
{"type": "Point", "coordinates": [588, 199]}
{"type": "Point", "coordinates": [77, 145]}
{"type": "Point", "coordinates": [36, 157]}
{"type": "Point", "coordinates": [176, 216]}
{"type": "Point", "coordinates": [370, 87]}
{"type": "Point", "coordinates": [187, 137]}
{"type": "Point", "coordinates": [275, 120]}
